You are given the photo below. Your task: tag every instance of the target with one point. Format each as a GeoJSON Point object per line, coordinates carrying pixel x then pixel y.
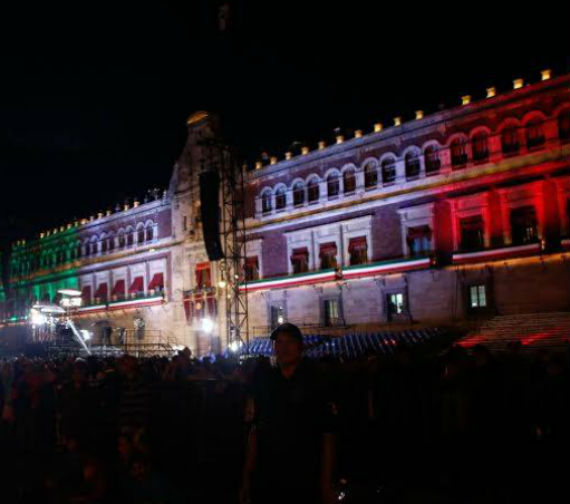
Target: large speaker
{"type": "Point", "coordinates": [210, 210]}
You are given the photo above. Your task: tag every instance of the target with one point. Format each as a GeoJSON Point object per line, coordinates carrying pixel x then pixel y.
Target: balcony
{"type": "Point", "coordinates": [152, 297]}
{"type": "Point", "coordinates": [495, 254]}
{"type": "Point", "coordinates": [339, 274]}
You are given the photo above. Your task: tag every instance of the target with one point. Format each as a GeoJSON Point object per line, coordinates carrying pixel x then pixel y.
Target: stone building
{"type": "Point", "coordinates": [457, 215]}
{"type": "Point", "coordinates": [463, 213]}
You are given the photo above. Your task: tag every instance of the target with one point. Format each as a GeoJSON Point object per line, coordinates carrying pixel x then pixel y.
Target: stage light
{"type": "Point", "coordinates": [222, 284]}
{"type": "Point", "coordinates": [235, 345]}
{"type": "Point", "coordinates": [207, 325]}
{"type": "Point", "coordinates": [86, 334]}
{"type": "Point", "coordinates": [37, 318]}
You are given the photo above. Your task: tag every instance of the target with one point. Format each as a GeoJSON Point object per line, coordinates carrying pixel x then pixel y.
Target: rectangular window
{"type": "Point", "coordinates": [331, 312]}
{"type": "Point", "coordinates": [477, 296]}
{"type": "Point", "coordinates": [419, 241]}
{"type": "Point", "coordinates": [472, 233]}
{"type": "Point", "coordinates": [277, 315]}
{"type": "Point", "coordinates": [251, 268]}
{"type": "Point", "coordinates": [395, 305]}
{"type": "Point", "coordinates": [358, 250]}
{"type": "Point", "coordinates": [327, 254]}
{"type": "Point", "coordinates": [523, 225]}
{"type": "Point", "coordinates": [300, 260]}
{"type": "Point", "coordinates": [203, 275]}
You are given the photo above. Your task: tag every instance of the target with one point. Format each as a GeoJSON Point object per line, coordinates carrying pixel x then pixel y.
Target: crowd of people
{"type": "Point", "coordinates": [457, 426]}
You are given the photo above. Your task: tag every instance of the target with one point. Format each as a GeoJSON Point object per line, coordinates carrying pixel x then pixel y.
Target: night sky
{"type": "Point", "coordinates": [95, 94]}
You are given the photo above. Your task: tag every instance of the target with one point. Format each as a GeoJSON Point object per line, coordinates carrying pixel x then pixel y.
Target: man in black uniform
{"type": "Point", "coordinates": [291, 443]}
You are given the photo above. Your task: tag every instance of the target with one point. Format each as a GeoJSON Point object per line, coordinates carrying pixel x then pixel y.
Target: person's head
{"type": "Point", "coordinates": [140, 467]}
{"type": "Point", "coordinates": [288, 344]}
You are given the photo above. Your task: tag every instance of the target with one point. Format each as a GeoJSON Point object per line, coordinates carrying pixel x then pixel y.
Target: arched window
{"type": "Point", "coordinates": [333, 185]}
{"type": "Point", "coordinates": [431, 159]}
{"type": "Point", "coordinates": [510, 140]}
{"type": "Point", "coordinates": [111, 241]}
{"type": "Point", "coordinates": [280, 198]}
{"type": "Point", "coordinates": [122, 241]}
{"type": "Point", "coordinates": [104, 244]}
{"type": "Point", "coordinates": [266, 202]}
{"type": "Point", "coordinates": [313, 190]}
{"type": "Point", "coordinates": [388, 170]}
{"type": "Point", "coordinates": [370, 176]}
{"type": "Point", "coordinates": [149, 232]}
{"type": "Point", "coordinates": [564, 125]}
{"type": "Point", "coordinates": [298, 193]}
{"type": "Point", "coordinates": [94, 247]}
{"type": "Point", "coordinates": [534, 134]}
{"type": "Point", "coordinates": [140, 234]}
{"type": "Point", "coordinates": [130, 237]}
{"type": "Point", "coordinates": [458, 150]}
{"type": "Point", "coordinates": [412, 162]}
{"type": "Point", "coordinates": [349, 181]}
{"type": "Point", "coordinates": [480, 145]}
{"type": "Point", "coordinates": [78, 250]}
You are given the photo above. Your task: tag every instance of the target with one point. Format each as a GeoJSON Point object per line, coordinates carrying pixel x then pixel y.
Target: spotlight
{"type": "Point", "coordinates": [235, 345]}
{"type": "Point", "coordinates": [207, 325]}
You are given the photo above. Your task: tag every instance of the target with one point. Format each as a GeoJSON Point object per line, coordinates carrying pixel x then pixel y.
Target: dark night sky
{"type": "Point", "coordinates": [95, 94]}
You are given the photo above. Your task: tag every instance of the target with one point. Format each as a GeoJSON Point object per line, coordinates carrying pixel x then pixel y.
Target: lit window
{"type": "Point", "coordinates": [331, 312]}
{"type": "Point", "coordinates": [419, 241]}
{"type": "Point", "coordinates": [477, 296]}
{"type": "Point", "coordinates": [277, 315]}
{"type": "Point", "coordinates": [395, 304]}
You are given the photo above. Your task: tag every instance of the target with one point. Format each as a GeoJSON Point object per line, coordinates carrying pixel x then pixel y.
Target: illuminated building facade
{"type": "Point", "coordinates": [458, 214]}
{"type": "Point", "coordinates": [139, 268]}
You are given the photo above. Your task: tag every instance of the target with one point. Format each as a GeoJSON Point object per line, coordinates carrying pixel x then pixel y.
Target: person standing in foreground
{"type": "Point", "coordinates": [290, 449]}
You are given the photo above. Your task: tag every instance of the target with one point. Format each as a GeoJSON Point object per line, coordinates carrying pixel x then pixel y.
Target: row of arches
{"type": "Point", "coordinates": [73, 249]}
{"type": "Point", "coordinates": [460, 149]}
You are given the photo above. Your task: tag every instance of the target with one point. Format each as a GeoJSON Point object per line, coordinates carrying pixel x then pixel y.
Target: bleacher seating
{"type": "Point", "coordinates": [352, 345]}
{"type": "Point", "coordinates": [532, 330]}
